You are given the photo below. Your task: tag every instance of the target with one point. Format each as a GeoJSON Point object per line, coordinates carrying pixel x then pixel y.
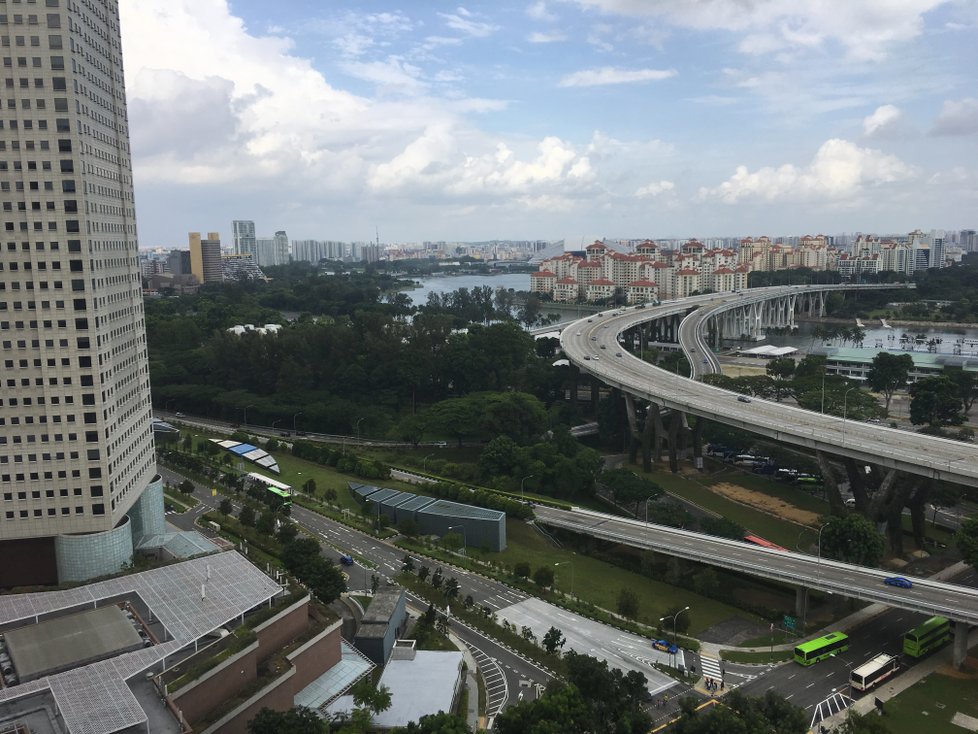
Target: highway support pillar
{"type": "Point", "coordinates": [595, 394]}
{"type": "Point", "coordinates": [675, 426]}
{"type": "Point", "coordinates": [698, 444]}
{"type": "Point", "coordinates": [631, 428]}
{"type": "Point", "coordinates": [801, 602]}
{"type": "Point", "coordinates": [649, 435]}
{"type": "Point", "coordinates": [961, 631]}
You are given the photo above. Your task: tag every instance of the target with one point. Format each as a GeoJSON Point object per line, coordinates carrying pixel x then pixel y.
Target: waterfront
{"type": "Point", "coordinates": [935, 339]}
{"type": "Point", "coordinates": [449, 283]}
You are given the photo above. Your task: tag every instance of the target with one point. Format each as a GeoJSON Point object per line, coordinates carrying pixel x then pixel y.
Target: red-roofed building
{"type": "Point", "coordinates": [642, 291]}
{"type": "Point", "coordinates": [566, 290]}
{"type": "Point", "coordinates": [599, 289]}
{"type": "Point", "coordinates": [543, 281]}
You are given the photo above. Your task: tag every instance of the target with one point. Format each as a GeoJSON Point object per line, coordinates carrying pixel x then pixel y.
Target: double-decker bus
{"type": "Point", "coordinates": [928, 636]}
{"type": "Point", "coordinates": [809, 653]}
{"type": "Point", "coordinates": [874, 672]}
{"type": "Point", "coordinates": [282, 492]}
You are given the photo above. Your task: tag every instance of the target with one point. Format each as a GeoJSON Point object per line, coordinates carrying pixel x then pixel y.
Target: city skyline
{"type": "Point", "coordinates": [577, 119]}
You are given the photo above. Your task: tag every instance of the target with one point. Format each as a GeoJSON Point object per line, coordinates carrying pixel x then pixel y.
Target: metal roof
{"type": "Point", "coordinates": [416, 503]}
{"type": "Point", "coordinates": [457, 509]}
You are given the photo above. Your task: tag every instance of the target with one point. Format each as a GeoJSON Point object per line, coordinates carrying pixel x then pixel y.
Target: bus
{"type": "Point", "coordinates": [809, 653]}
{"type": "Point", "coordinates": [285, 497]}
{"type": "Point", "coordinates": [282, 492]}
{"type": "Point", "coordinates": [874, 672]}
{"type": "Point", "coordinates": [928, 636]}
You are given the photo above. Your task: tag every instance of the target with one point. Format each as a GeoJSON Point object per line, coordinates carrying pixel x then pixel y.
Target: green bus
{"type": "Point", "coordinates": [809, 653]}
{"type": "Point", "coordinates": [928, 636]}
{"type": "Point", "coordinates": [286, 497]}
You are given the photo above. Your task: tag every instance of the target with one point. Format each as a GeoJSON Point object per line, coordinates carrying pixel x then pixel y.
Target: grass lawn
{"type": "Point", "coordinates": [600, 583]}
{"type": "Point", "coordinates": [929, 705]}
{"type": "Point", "coordinates": [180, 504]}
{"type": "Point", "coordinates": [779, 531]}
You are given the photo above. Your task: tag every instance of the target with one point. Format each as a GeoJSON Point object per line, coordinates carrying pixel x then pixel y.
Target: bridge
{"type": "Point", "coordinates": [593, 345]}
{"type": "Point", "coordinates": [959, 603]}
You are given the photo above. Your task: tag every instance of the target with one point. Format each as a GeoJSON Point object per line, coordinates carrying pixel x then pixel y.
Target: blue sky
{"type": "Point", "coordinates": [572, 119]}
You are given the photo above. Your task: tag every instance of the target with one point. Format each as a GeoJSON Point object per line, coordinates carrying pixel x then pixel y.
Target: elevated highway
{"type": "Point", "coordinates": [592, 344]}
{"type": "Point", "coordinates": [926, 596]}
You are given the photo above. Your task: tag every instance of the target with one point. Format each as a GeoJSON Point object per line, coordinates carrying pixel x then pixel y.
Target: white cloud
{"type": "Point", "coordinates": [538, 11]}
{"type": "Point", "coordinates": [538, 37]}
{"type": "Point", "coordinates": [885, 119]}
{"type": "Point", "coordinates": [391, 76]}
{"type": "Point", "coordinates": [464, 21]}
{"type": "Point", "coordinates": [839, 171]}
{"type": "Point", "coordinates": [610, 75]}
{"type": "Point", "coordinates": [654, 189]}
{"type": "Point", "coordinates": [866, 28]}
{"type": "Point", "coordinates": [957, 117]}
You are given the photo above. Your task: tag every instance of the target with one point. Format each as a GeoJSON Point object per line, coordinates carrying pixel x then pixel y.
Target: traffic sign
{"type": "Point", "coordinates": [789, 623]}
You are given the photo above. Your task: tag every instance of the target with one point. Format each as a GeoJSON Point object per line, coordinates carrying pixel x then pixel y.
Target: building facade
{"type": "Point", "coordinates": [205, 258]}
{"type": "Point", "coordinates": [243, 235]}
{"type": "Point", "coordinates": [76, 442]}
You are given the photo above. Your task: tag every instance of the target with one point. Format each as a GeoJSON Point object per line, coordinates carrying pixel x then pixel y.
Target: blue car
{"type": "Point", "coordinates": [665, 646]}
{"type": "Point", "coordinates": [898, 581]}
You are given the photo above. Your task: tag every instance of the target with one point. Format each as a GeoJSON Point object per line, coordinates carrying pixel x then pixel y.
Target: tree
{"type": "Point", "coordinates": [266, 523]}
{"type": "Point", "coordinates": [303, 558]}
{"type": "Point", "coordinates": [628, 603]}
{"type": "Point", "coordinates": [423, 573]}
{"type": "Point", "coordinates": [863, 724]}
{"type": "Point", "coordinates": [678, 619]}
{"type": "Point", "coordinates": [852, 539]}
{"type": "Point", "coordinates": [722, 527]}
{"type": "Point", "coordinates": [965, 385]}
{"type": "Point", "coordinates": [186, 487]}
{"type": "Point", "coordinates": [544, 577]}
{"type": "Point", "coordinates": [298, 720]}
{"type": "Point", "coordinates": [781, 370]}
{"type": "Point", "coordinates": [967, 541]}
{"type": "Point", "coordinates": [437, 578]}
{"type": "Point", "coordinates": [521, 570]}
{"type": "Point", "coordinates": [888, 374]}
{"type": "Point", "coordinates": [225, 507]}
{"type": "Point", "coordinates": [287, 532]}
{"type": "Point", "coordinates": [407, 564]}
{"type": "Point", "coordinates": [440, 723]}
{"type": "Point", "coordinates": [247, 516]}
{"type": "Point", "coordinates": [934, 401]}
{"type": "Point", "coordinates": [309, 487]}
{"type": "Point", "coordinates": [553, 640]}
{"type": "Point", "coordinates": [451, 588]}
{"type": "Point", "coordinates": [368, 698]}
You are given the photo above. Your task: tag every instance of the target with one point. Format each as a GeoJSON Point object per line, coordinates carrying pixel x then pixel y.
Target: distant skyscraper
{"type": "Point", "coordinates": [243, 232]}
{"type": "Point", "coordinates": [281, 244]}
{"type": "Point", "coordinates": [205, 258]}
{"type": "Point", "coordinates": [969, 240]}
{"type": "Point", "coordinates": [77, 462]}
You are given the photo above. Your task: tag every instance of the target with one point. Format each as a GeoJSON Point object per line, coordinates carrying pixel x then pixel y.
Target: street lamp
{"type": "Point", "coordinates": [568, 563]}
{"type": "Point", "coordinates": [294, 419]}
{"type": "Point", "coordinates": [277, 420]}
{"type": "Point", "coordinates": [522, 497]}
{"type": "Point", "coordinates": [356, 429]}
{"type": "Point", "coordinates": [845, 406]}
{"type": "Point", "coordinates": [464, 541]}
{"type": "Point", "coordinates": [246, 413]}
{"type": "Point", "coordinates": [674, 616]}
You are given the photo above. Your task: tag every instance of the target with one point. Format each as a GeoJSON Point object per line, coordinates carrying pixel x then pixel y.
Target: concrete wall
{"type": "Point", "coordinates": [284, 627]}
{"type": "Point", "coordinates": [217, 685]}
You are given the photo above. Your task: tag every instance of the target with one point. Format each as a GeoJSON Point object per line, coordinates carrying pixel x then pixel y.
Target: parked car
{"type": "Point", "coordinates": [898, 581]}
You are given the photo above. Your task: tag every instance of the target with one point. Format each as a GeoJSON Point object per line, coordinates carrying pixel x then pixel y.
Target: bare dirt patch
{"type": "Point", "coordinates": [765, 503]}
{"type": "Point", "coordinates": [969, 671]}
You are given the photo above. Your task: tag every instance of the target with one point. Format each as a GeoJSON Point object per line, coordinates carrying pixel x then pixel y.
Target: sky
{"type": "Point", "coordinates": [575, 119]}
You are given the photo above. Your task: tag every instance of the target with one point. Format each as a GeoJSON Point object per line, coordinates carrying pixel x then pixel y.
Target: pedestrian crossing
{"type": "Point", "coordinates": [711, 668]}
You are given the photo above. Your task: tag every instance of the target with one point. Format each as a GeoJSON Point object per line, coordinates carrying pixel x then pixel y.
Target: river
{"type": "Point", "coordinates": [449, 283]}
{"type": "Point", "coordinates": [946, 340]}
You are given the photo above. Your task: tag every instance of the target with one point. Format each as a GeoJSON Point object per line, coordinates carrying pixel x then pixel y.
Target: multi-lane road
{"type": "Point", "coordinates": [593, 345]}
{"type": "Point", "coordinates": [926, 596]}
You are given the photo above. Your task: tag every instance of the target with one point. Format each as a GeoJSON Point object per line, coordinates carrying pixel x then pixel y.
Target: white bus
{"type": "Point", "coordinates": [874, 672]}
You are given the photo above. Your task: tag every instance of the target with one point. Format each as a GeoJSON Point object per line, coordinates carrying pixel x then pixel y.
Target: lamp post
{"type": "Point", "coordinates": [647, 500]}
{"type": "Point", "coordinates": [823, 391]}
{"type": "Point", "coordinates": [277, 420]}
{"type": "Point", "coordinates": [673, 617]}
{"type": "Point", "coordinates": [464, 541]}
{"type": "Point", "coordinates": [246, 413]}
{"type": "Point", "coordinates": [294, 420]}
{"type": "Point", "coordinates": [845, 407]}
{"type": "Point", "coordinates": [356, 429]}
{"type": "Point", "coordinates": [528, 476]}
{"type": "Point", "coordinates": [568, 563]}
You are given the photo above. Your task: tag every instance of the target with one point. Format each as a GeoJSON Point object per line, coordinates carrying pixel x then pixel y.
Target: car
{"type": "Point", "coordinates": [743, 398]}
{"type": "Point", "coordinates": [692, 349]}
{"type": "Point", "coordinates": [705, 360]}
{"type": "Point", "coordinates": [617, 354]}
{"type": "Point", "coordinates": [178, 414]}
{"type": "Point", "coordinates": [665, 646]}
{"type": "Point", "coordinates": [898, 581]}
{"type": "Point", "coordinates": [590, 321]}
{"type": "Point", "coordinates": [604, 346]}
{"type": "Point", "coordinates": [587, 356]}
{"type": "Point", "coordinates": [346, 560]}
{"type": "Point", "coordinates": [578, 333]}
{"type": "Point", "coordinates": [594, 338]}
{"type": "Point", "coordinates": [595, 357]}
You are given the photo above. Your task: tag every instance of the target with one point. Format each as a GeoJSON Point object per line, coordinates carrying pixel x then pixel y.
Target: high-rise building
{"type": "Point", "coordinates": [77, 462]}
{"type": "Point", "coordinates": [243, 233]}
{"type": "Point", "coordinates": [281, 241]}
{"type": "Point", "coordinates": [205, 258]}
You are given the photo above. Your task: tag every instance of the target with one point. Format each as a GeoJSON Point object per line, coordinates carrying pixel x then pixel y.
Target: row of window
{"type": "Point", "coordinates": [97, 509]}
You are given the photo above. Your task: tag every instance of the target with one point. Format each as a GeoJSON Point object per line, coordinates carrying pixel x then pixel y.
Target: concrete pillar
{"type": "Point", "coordinates": [595, 394]}
{"type": "Point", "coordinates": [961, 631]}
{"type": "Point", "coordinates": [698, 444]}
{"type": "Point", "coordinates": [675, 421]}
{"type": "Point", "coordinates": [801, 602]}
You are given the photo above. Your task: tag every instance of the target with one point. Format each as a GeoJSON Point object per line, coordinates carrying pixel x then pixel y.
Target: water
{"type": "Point", "coordinates": [946, 340]}
{"type": "Point", "coordinates": [449, 283]}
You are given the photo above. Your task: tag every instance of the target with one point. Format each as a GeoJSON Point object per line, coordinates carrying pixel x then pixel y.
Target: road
{"type": "Point", "coordinates": [592, 344]}
{"type": "Point", "coordinates": [926, 596]}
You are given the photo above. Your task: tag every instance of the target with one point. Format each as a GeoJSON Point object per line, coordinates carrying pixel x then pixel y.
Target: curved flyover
{"type": "Point", "coordinates": [592, 345]}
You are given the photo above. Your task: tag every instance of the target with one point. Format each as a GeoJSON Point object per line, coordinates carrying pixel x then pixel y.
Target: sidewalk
{"type": "Point", "coordinates": [472, 718]}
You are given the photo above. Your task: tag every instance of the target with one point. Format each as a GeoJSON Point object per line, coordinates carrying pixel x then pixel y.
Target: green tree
{"type": "Point", "coordinates": [309, 487]}
{"type": "Point", "coordinates": [521, 570]}
{"type": "Point", "coordinates": [186, 487]}
{"type": "Point", "coordinates": [423, 573]}
{"type": "Point", "coordinates": [407, 564]}
{"type": "Point", "coordinates": [247, 516]}
{"type": "Point", "coordinates": [888, 374]}
{"type": "Point", "coordinates": [869, 723]}
{"type": "Point", "coordinates": [781, 370]}
{"type": "Point", "coordinates": [852, 539]}
{"type": "Point", "coordinates": [287, 532]}
{"type": "Point", "coordinates": [722, 527]}
{"type": "Point", "coordinates": [628, 603]}
{"type": "Point", "coordinates": [266, 523]}
{"type": "Point", "coordinates": [440, 723]}
{"type": "Point", "coordinates": [452, 588]}
{"type": "Point", "coordinates": [303, 558]}
{"type": "Point", "coordinates": [934, 401]}
{"type": "Point", "coordinates": [225, 507]}
{"type": "Point", "coordinates": [965, 385]}
{"type": "Point", "coordinates": [544, 577]}
{"type": "Point", "coordinates": [298, 720]}
{"type": "Point", "coordinates": [553, 640]}
{"type": "Point", "coordinates": [967, 541]}
{"type": "Point", "coordinates": [370, 698]}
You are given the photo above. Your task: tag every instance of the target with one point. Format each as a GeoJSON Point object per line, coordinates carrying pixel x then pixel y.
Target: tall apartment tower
{"type": "Point", "coordinates": [78, 479]}
{"type": "Point", "coordinates": [243, 234]}
{"type": "Point", "coordinates": [205, 258]}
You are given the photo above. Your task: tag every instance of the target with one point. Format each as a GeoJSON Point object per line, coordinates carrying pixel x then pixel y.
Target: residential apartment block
{"type": "Point", "coordinates": [78, 483]}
